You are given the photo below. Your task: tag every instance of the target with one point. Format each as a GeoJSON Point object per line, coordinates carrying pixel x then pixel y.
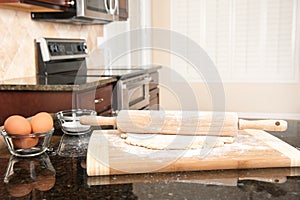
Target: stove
{"type": "Point", "coordinates": [63, 62]}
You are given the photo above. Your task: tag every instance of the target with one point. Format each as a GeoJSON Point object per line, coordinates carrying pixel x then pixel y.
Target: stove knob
{"type": "Point", "coordinates": [82, 47]}
{"type": "Point", "coordinates": [53, 48]}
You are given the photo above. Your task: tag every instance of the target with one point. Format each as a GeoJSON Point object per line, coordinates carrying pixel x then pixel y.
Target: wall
{"type": "Point", "coordinates": [18, 31]}
{"type": "Point", "coordinates": [278, 99]}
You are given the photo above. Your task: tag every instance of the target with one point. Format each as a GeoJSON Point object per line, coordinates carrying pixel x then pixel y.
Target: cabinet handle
{"type": "Point", "coordinates": [72, 3]}
{"type": "Point", "coordinates": [98, 100]}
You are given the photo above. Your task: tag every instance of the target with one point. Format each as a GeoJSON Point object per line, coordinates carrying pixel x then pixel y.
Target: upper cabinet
{"type": "Point", "coordinates": [37, 5]}
{"type": "Point", "coordinates": [72, 11]}
{"type": "Point", "coordinates": [123, 9]}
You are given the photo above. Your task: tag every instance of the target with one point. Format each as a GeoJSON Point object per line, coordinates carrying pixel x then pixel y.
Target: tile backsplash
{"type": "Point", "coordinates": [18, 31]}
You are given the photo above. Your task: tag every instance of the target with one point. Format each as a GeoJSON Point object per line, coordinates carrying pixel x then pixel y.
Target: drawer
{"type": "Point", "coordinates": [154, 80]}
{"type": "Point", "coordinates": [99, 99]}
{"type": "Point", "coordinates": [154, 93]}
{"type": "Point", "coordinates": [107, 113]}
{"type": "Point", "coordinates": [154, 104]}
{"type": "Point", "coordinates": [103, 98]}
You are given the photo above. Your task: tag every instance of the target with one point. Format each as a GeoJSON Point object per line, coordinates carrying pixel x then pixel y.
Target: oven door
{"type": "Point", "coordinates": [97, 9]}
{"type": "Point", "coordinates": [133, 93]}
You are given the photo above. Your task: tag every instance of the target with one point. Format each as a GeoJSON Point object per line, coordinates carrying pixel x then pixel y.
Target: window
{"type": "Point", "coordinates": [139, 18]}
{"type": "Point", "coordinates": [248, 40]}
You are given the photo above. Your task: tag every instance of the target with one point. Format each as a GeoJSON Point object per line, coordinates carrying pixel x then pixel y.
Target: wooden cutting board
{"type": "Point", "coordinates": [108, 154]}
{"type": "Point", "coordinates": [217, 177]}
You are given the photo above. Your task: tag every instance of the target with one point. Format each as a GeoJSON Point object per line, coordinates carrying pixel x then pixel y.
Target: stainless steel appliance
{"type": "Point", "coordinates": [84, 12]}
{"type": "Point", "coordinates": [63, 61]}
{"type": "Point", "coordinates": [133, 93]}
{"type": "Point", "coordinates": [131, 90]}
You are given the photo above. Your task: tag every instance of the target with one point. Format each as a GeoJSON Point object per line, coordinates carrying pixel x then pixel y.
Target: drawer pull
{"type": "Point", "coordinates": [98, 100]}
{"type": "Point", "coordinates": [72, 3]}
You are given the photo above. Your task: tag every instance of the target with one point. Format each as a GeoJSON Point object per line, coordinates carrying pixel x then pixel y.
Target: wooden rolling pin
{"type": "Point", "coordinates": [182, 122]}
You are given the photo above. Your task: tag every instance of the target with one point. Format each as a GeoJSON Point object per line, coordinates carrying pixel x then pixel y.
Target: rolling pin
{"type": "Point", "coordinates": [182, 122]}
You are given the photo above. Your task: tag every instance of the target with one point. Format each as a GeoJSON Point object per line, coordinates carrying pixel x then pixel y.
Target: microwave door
{"type": "Point", "coordinates": [95, 9]}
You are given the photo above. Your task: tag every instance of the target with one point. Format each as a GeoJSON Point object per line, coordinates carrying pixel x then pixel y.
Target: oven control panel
{"type": "Point", "coordinates": [66, 48]}
{"type": "Point", "coordinates": [60, 49]}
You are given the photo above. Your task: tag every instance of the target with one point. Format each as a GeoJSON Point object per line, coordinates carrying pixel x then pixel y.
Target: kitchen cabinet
{"type": "Point", "coordinates": [98, 99]}
{"type": "Point", "coordinates": [154, 91]}
{"type": "Point", "coordinates": [123, 10]}
{"type": "Point", "coordinates": [37, 5]}
{"type": "Point", "coordinates": [154, 99]}
{"type": "Point", "coordinates": [28, 103]}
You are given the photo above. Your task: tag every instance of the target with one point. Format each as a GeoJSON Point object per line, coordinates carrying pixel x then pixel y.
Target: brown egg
{"type": "Point", "coordinates": [25, 143]}
{"type": "Point", "coordinates": [41, 122]}
{"type": "Point", "coordinates": [17, 124]}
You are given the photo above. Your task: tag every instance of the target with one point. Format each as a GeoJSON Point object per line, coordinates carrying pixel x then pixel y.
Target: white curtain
{"type": "Point", "coordinates": [248, 40]}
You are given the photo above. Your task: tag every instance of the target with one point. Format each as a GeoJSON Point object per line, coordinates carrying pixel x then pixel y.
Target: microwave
{"type": "Point", "coordinates": [86, 12]}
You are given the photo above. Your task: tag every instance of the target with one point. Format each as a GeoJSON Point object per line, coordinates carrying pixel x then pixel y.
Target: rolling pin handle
{"type": "Point", "coordinates": [98, 120]}
{"type": "Point", "coordinates": [266, 125]}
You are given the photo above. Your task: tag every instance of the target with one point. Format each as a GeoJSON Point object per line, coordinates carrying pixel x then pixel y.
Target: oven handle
{"type": "Point", "coordinates": [137, 84]}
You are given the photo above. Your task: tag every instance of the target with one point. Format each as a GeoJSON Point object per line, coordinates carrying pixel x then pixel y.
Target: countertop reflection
{"type": "Point", "coordinates": [24, 176]}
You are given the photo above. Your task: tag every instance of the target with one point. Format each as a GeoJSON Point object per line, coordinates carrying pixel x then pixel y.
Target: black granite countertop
{"type": "Point", "coordinates": [60, 173]}
{"type": "Point", "coordinates": [31, 84]}
{"type": "Point", "coordinates": [95, 77]}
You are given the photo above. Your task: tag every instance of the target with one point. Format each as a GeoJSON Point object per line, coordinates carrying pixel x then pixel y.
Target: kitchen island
{"type": "Point", "coordinates": [60, 173]}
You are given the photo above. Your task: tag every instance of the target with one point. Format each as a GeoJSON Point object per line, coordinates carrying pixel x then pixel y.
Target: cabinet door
{"type": "Point", "coordinates": [98, 99]}
{"type": "Point", "coordinates": [65, 3]}
{"type": "Point", "coordinates": [123, 9]}
{"type": "Point", "coordinates": [154, 99]}
{"type": "Point", "coordinates": [28, 103]}
{"type": "Point", "coordinates": [37, 5]}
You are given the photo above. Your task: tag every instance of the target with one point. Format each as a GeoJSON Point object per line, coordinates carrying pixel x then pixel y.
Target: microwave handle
{"type": "Point", "coordinates": [113, 10]}
{"type": "Point", "coordinates": [134, 85]}
{"type": "Point", "coordinates": [106, 7]}
{"type": "Point", "coordinates": [109, 9]}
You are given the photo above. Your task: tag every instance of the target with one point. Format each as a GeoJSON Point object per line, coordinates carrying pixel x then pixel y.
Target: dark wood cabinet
{"type": "Point", "coordinates": [123, 10]}
{"type": "Point", "coordinates": [37, 5]}
{"type": "Point", "coordinates": [67, 6]}
{"type": "Point", "coordinates": [154, 91]}
{"type": "Point", "coordinates": [154, 99]}
{"type": "Point", "coordinates": [28, 103]}
{"type": "Point", "coordinates": [98, 99]}
{"type": "Point", "coordinates": [64, 3]}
